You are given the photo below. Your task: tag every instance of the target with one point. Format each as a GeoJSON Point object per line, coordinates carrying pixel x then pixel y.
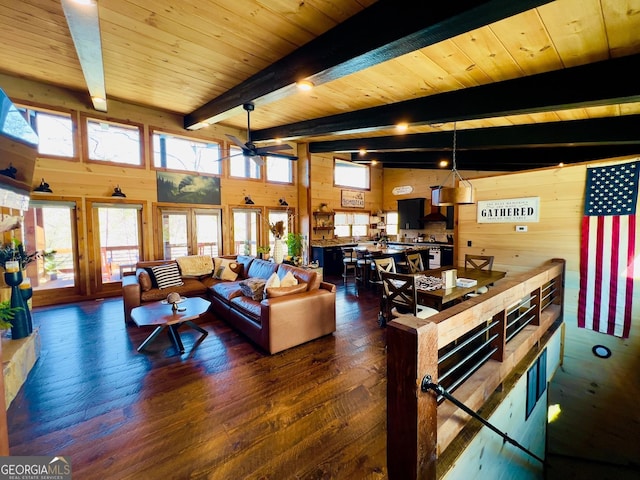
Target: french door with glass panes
{"type": "Point", "coordinates": [190, 231]}
{"type": "Point", "coordinates": [117, 238]}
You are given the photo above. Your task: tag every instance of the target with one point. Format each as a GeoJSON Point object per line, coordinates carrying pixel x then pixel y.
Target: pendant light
{"type": "Point", "coordinates": [461, 194]}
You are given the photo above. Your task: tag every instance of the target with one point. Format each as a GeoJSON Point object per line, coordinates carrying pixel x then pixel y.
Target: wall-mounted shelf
{"type": "Point", "coordinates": [323, 220]}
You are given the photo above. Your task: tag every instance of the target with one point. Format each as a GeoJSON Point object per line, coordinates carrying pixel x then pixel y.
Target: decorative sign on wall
{"type": "Point", "coordinates": [352, 199]}
{"type": "Point", "coordinates": [509, 210]}
{"type": "Point", "coordinates": [403, 190]}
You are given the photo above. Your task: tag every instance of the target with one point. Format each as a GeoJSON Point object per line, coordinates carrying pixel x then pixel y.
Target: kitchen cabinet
{"type": "Point", "coordinates": [410, 213]}
{"type": "Point", "coordinates": [329, 258]}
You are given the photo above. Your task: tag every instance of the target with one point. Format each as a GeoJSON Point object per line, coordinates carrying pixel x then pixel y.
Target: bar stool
{"type": "Point", "coordinates": [349, 264]}
{"type": "Point", "coordinates": [363, 266]}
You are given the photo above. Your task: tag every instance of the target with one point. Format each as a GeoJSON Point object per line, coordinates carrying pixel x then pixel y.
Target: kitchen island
{"type": "Point", "coordinates": [328, 253]}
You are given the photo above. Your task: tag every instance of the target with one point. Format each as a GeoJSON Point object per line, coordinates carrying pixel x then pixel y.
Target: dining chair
{"type": "Point", "coordinates": [478, 262]}
{"type": "Point", "coordinates": [401, 297]}
{"type": "Point", "coordinates": [381, 264]}
{"type": "Point", "coordinates": [414, 261]}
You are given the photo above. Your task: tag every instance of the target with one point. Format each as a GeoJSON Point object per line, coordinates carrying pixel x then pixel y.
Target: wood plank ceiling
{"type": "Point", "coordinates": [528, 83]}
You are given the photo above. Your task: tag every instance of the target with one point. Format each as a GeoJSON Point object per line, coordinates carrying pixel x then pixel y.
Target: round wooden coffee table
{"type": "Point", "coordinates": [160, 315]}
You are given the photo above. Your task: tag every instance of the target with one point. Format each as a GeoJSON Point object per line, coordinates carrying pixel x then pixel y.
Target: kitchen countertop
{"type": "Point", "coordinates": [402, 245]}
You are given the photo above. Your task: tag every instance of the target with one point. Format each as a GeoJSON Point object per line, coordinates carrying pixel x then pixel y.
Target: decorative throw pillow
{"type": "Point", "coordinates": [195, 265]}
{"type": "Point", "coordinates": [253, 288]}
{"type": "Point", "coordinates": [144, 280]}
{"type": "Point", "coordinates": [274, 281]}
{"type": "Point", "coordinates": [288, 280]}
{"type": "Point", "coordinates": [152, 277]}
{"type": "Point", "coordinates": [167, 275]}
{"type": "Point", "coordinates": [273, 292]}
{"type": "Point", "coordinates": [226, 269]}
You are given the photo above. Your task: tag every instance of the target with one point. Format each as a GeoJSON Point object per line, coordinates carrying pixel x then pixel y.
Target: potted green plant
{"type": "Point", "coordinates": [263, 251]}
{"type": "Point", "coordinates": [51, 265]}
{"type": "Point", "coordinates": [294, 244]}
{"type": "Point", "coordinates": [7, 312]}
{"type": "Point", "coordinates": [15, 251]}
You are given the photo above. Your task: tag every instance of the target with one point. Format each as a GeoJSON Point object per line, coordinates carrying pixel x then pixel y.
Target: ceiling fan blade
{"type": "Point", "coordinates": [237, 141]}
{"type": "Point", "coordinates": [272, 148]}
{"type": "Point", "coordinates": [282, 155]}
{"type": "Point", "coordinates": [258, 159]}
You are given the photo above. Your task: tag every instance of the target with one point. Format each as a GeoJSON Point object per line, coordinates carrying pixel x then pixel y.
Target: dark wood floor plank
{"type": "Point", "coordinates": [221, 410]}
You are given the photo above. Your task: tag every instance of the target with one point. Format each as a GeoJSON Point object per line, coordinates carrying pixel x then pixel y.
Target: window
{"type": "Point", "coordinates": [180, 153]}
{"type": "Point", "coordinates": [279, 170]}
{"type": "Point", "coordinates": [49, 226]}
{"type": "Point", "coordinates": [351, 224]}
{"type": "Point", "coordinates": [111, 142]}
{"type": "Point", "coordinates": [245, 231]}
{"type": "Point", "coordinates": [241, 166]}
{"type": "Point", "coordinates": [391, 223]}
{"type": "Point", "coordinates": [349, 174]}
{"type": "Point", "coordinates": [55, 132]}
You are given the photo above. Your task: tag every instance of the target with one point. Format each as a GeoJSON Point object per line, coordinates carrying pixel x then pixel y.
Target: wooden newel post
{"type": "Point", "coordinates": [412, 422]}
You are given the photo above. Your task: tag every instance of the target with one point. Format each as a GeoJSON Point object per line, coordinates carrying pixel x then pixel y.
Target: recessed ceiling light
{"type": "Point", "coordinates": [443, 163]}
{"type": "Point", "coordinates": [402, 127]}
{"type": "Point", "coordinates": [304, 85]}
{"type": "Point", "coordinates": [362, 151]}
{"type": "Point", "coordinates": [374, 162]}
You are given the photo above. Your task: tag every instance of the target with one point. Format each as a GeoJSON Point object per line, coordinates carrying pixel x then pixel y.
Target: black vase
{"type": "Point", "coordinates": [20, 322]}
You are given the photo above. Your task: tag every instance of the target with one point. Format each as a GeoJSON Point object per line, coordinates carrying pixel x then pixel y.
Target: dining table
{"type": "Point", "coordinates": [439, 297]}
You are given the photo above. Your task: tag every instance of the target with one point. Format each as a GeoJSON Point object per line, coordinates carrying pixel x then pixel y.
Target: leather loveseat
{"type": "Point", "coordinates": [282, 318]}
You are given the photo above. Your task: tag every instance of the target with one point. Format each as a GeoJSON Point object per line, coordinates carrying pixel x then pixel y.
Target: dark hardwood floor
{"type": "Point", "coordinates": [223, 410]}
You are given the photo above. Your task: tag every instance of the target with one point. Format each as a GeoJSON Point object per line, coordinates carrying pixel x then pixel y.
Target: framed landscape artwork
{"type": "Point", "coordinates": [184, 188]}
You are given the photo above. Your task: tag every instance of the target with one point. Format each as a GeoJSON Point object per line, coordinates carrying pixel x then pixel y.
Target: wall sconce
{"type": "Point", "coordinates": [248, 201]}
{"type": "Point", "coordinates": [43, 187]}
{"type": "Point", "coordinates": [283, 202]}
{"type": "Point", "coordinates": [117, 192]}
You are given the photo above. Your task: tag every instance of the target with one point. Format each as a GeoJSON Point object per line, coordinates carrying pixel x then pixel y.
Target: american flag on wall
{"type": "Point", "coordinates": [607, 249]}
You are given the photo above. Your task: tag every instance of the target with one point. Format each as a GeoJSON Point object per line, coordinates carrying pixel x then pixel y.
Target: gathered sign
{"type": "Point", "coordinates": [509, 210]}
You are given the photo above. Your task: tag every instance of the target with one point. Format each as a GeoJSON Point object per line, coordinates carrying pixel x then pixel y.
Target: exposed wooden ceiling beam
{"type": "Point", "coordinates": [400, 26]}
{"type": "Point", "coordinates": [595, 131]}
{"type": "Point", "coordinates": [84, 26]}
{"type": "Point", "coordinates": [511, 159]}
{"type": "Point", "coordinates": [603, 83]}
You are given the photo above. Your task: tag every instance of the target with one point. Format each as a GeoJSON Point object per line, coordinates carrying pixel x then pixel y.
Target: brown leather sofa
{"type": "Point", "coordinates": [281, 321]}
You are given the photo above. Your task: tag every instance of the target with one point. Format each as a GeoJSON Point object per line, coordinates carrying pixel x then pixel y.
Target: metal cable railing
{"type": "Point", "coordinates": [427, 385]}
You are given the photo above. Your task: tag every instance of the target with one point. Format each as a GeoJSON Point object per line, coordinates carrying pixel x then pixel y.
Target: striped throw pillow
{"type": "Point", "coordinates": [167, 275]}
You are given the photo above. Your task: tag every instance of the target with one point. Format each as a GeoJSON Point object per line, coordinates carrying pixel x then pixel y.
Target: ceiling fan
{"type": "Point", "coordinates": [257, 153]}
